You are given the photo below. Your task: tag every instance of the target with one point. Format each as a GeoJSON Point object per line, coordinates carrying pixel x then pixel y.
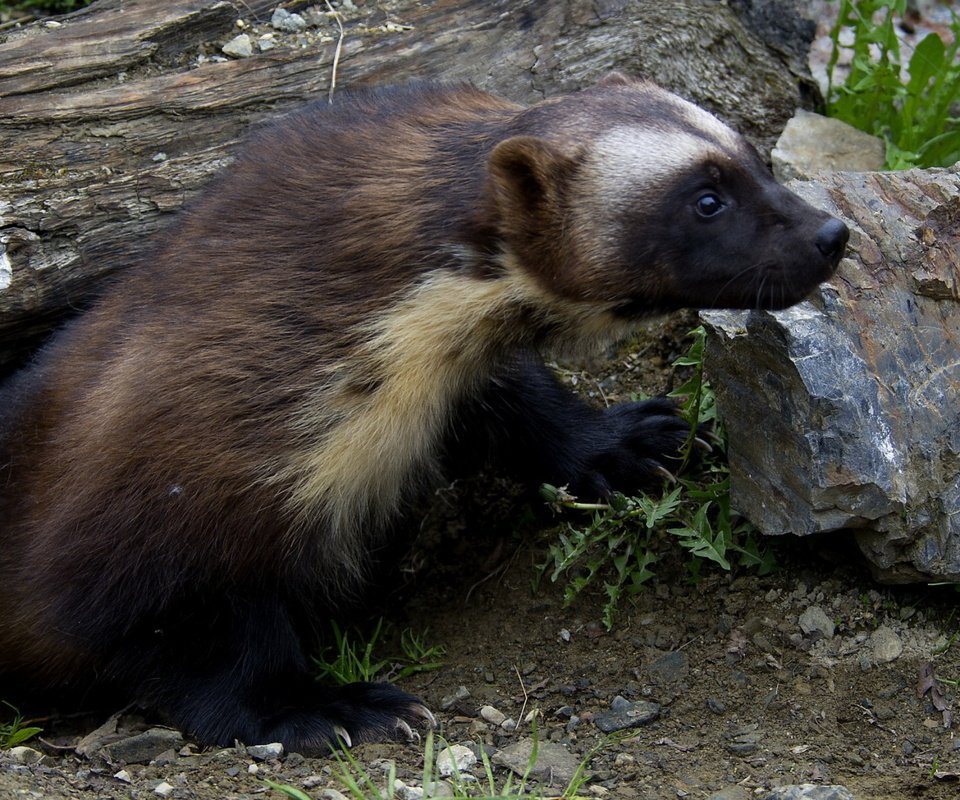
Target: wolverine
{"type": "Point", "coordinates": [195, 472]}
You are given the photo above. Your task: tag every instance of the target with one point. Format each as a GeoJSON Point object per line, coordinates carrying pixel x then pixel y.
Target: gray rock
{"type": "Point", "coordinates": [810, 791]}
{"type": "Point", "coordinates": [811, 143]}
{"type": "Point", "coordinates": [449, 701]}
{"type": "Point", "coordinates": [623, 714]}
{"type": "Point", "coordinates": [454, 760]}
{"type": "Point", "coordinates": [239, 46]}
{"type": "Point", "coordinates": [25, 755]}
{"type": "Point", "coordinates": [554, 766]}
{"type": "Point", "coordinates": [814, 619]}
{"type": "Point", "coordinates": [885, 645]}
{"type": "Point", "coordinates": [283, 20]}
{"type": "Point", "coordinates": [670, 668]}
{"type": "Point", "coordinates": [844, 411]}
{"type": "Point", "coordinates": [143, 747]}
{"type": "Point", "coordinates": [492, 715]}
{"type": "Point", "coordinates": [265, 752]}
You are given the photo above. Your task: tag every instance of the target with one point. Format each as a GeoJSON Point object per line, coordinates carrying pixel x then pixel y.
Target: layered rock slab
{"type": "Point", "coordinates": [843, 413]}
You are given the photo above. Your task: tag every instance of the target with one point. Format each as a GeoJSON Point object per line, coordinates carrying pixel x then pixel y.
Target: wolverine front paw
{"type": "Point", "coordinates": [639, 446]}
{"type": "Point", "coordinates": [357, 712]}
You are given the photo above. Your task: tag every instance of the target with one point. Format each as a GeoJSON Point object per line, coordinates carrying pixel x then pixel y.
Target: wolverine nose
{"type": "Point", "coordinates": [832, 238]}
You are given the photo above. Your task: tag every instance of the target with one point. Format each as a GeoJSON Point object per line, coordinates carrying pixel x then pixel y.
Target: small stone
{"type": "Point", "coordinates": [554, 765]}
{"type": "Point", "coordinates": [815, 620]}
{"type": "Point", "coordinates": [266, 42]}
{"type": "Point", "coordinates": [330, 794]}
{"type": "Point", "coordinates": [239, 47]}
{"type": "Point", "coordinates": [745, 741]}
{"type": "Point", "coordinates": [886, 645]}
{"type": "Point", "coordinates": [403, 792]}
{"type": "Point", "coordinates": [144, 747]}
{"type": "Point", "coordinates": [265, 752]}
{"type": "Point", "coordinates": [25, 755]}
{"type": "Point", "coordinates": [123, 776]}
{"type": "Point", "coordinates": [716, 706]}
{"type": "Point", "coordinates": [623, 714]}
{"type": "Point", "coordinates": [163, 789]}
{"type": "Point", "coordinates": [492, 715]}
{"type": "Point", "coordinates": [448, 702]}
{"type": "Point", "coordinates": [669, 668]}
{"type": "Point", "coordinates": [283, 20]}
{"type": "Point", "coordinates": [454, 760]}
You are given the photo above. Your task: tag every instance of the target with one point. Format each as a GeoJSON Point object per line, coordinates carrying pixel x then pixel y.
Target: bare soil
{"type": "Point", "coordinates": [748, 700]}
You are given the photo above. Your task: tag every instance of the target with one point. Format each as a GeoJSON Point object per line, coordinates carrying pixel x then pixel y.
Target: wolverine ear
{"type": "Point", "coordinates": [615, 78]}
{"type": "Point", "coordinates": [527, 175]}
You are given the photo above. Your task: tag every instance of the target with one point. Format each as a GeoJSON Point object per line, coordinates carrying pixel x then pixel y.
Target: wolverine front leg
{"type": "Point", "coordinates": [541, 431]}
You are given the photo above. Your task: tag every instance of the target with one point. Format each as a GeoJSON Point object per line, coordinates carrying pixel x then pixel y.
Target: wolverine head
{"type": "Point", "coordinates": [628, 195]}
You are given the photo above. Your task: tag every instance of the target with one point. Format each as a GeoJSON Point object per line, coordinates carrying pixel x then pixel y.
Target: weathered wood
{"type": "Point", "coordinates": [109, 121]}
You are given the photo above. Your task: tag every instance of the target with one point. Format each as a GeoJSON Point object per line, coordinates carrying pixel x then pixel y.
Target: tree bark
{"type": "Point", "coordinates": [109, 121]}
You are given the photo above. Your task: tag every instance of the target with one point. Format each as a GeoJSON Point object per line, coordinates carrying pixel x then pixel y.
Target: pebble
{"type": "Point", "coordinates": [623, 714]}
{"type": "Point", "coordinates": [492, 715]}
{"type": "Point", "coordinates": [815, 620]}
{"type": "Point", "coordinates": [265, 752]}
{"type": "Point", "coordinates": [670, 668]}
{"type": "Point", "coordinates": [455, 760]}
{"type": "Point", "coordinates": [448, 702]}
{"type": "Point", "coordinates": [283, 20]}
{"type": "Point", "coordinates": [25, 755]}
{"type": "Point", "coordinates": [144, 747]}
{"type": "Point", "coordinates": [716, 706]}
{"type": "Point", "coordinates": [331, 794]}
{"type": "Point", "coordinates": [239, 47]}
{"type": "Point", "coordinates": [745, 741]}
{"type": "Point", "coordinates": [886, 645]}
{"type": "Point", "coordinates": [163, 789]}
{"type": "Point", "coordinates": [124, 776]}
{"type": "Point", "coordinates": [554, 765]}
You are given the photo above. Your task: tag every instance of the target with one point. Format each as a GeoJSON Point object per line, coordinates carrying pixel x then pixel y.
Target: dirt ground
{"type": "Point", "coordinates": [748, 700]}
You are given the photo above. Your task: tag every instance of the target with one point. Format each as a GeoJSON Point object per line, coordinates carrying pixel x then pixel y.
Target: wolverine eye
{"type": "Point", "coordinates": [709, 205]}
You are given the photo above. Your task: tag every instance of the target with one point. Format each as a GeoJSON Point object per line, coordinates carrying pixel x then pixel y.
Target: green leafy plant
{"type": "Point", "coordinates": [916, 116]}
{"type": "Point", "coordinates": [618, 548]}
{"type": "Point", "coordinates": [351, 657]}
{"type": "Point", "coordinates": [15, 732]}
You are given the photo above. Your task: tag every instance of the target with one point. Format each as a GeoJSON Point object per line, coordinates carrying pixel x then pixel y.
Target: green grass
{"type": "Point", "coordinates": [359, 785]}
{"type": "Point", "coordinates": [912, 104]}
{"type": "Point", "coordinates": [14, 732]}
{"type": "Point", "coordinates": [619, 546]}
{"type": "Point", "coordinates": [355, 656]}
